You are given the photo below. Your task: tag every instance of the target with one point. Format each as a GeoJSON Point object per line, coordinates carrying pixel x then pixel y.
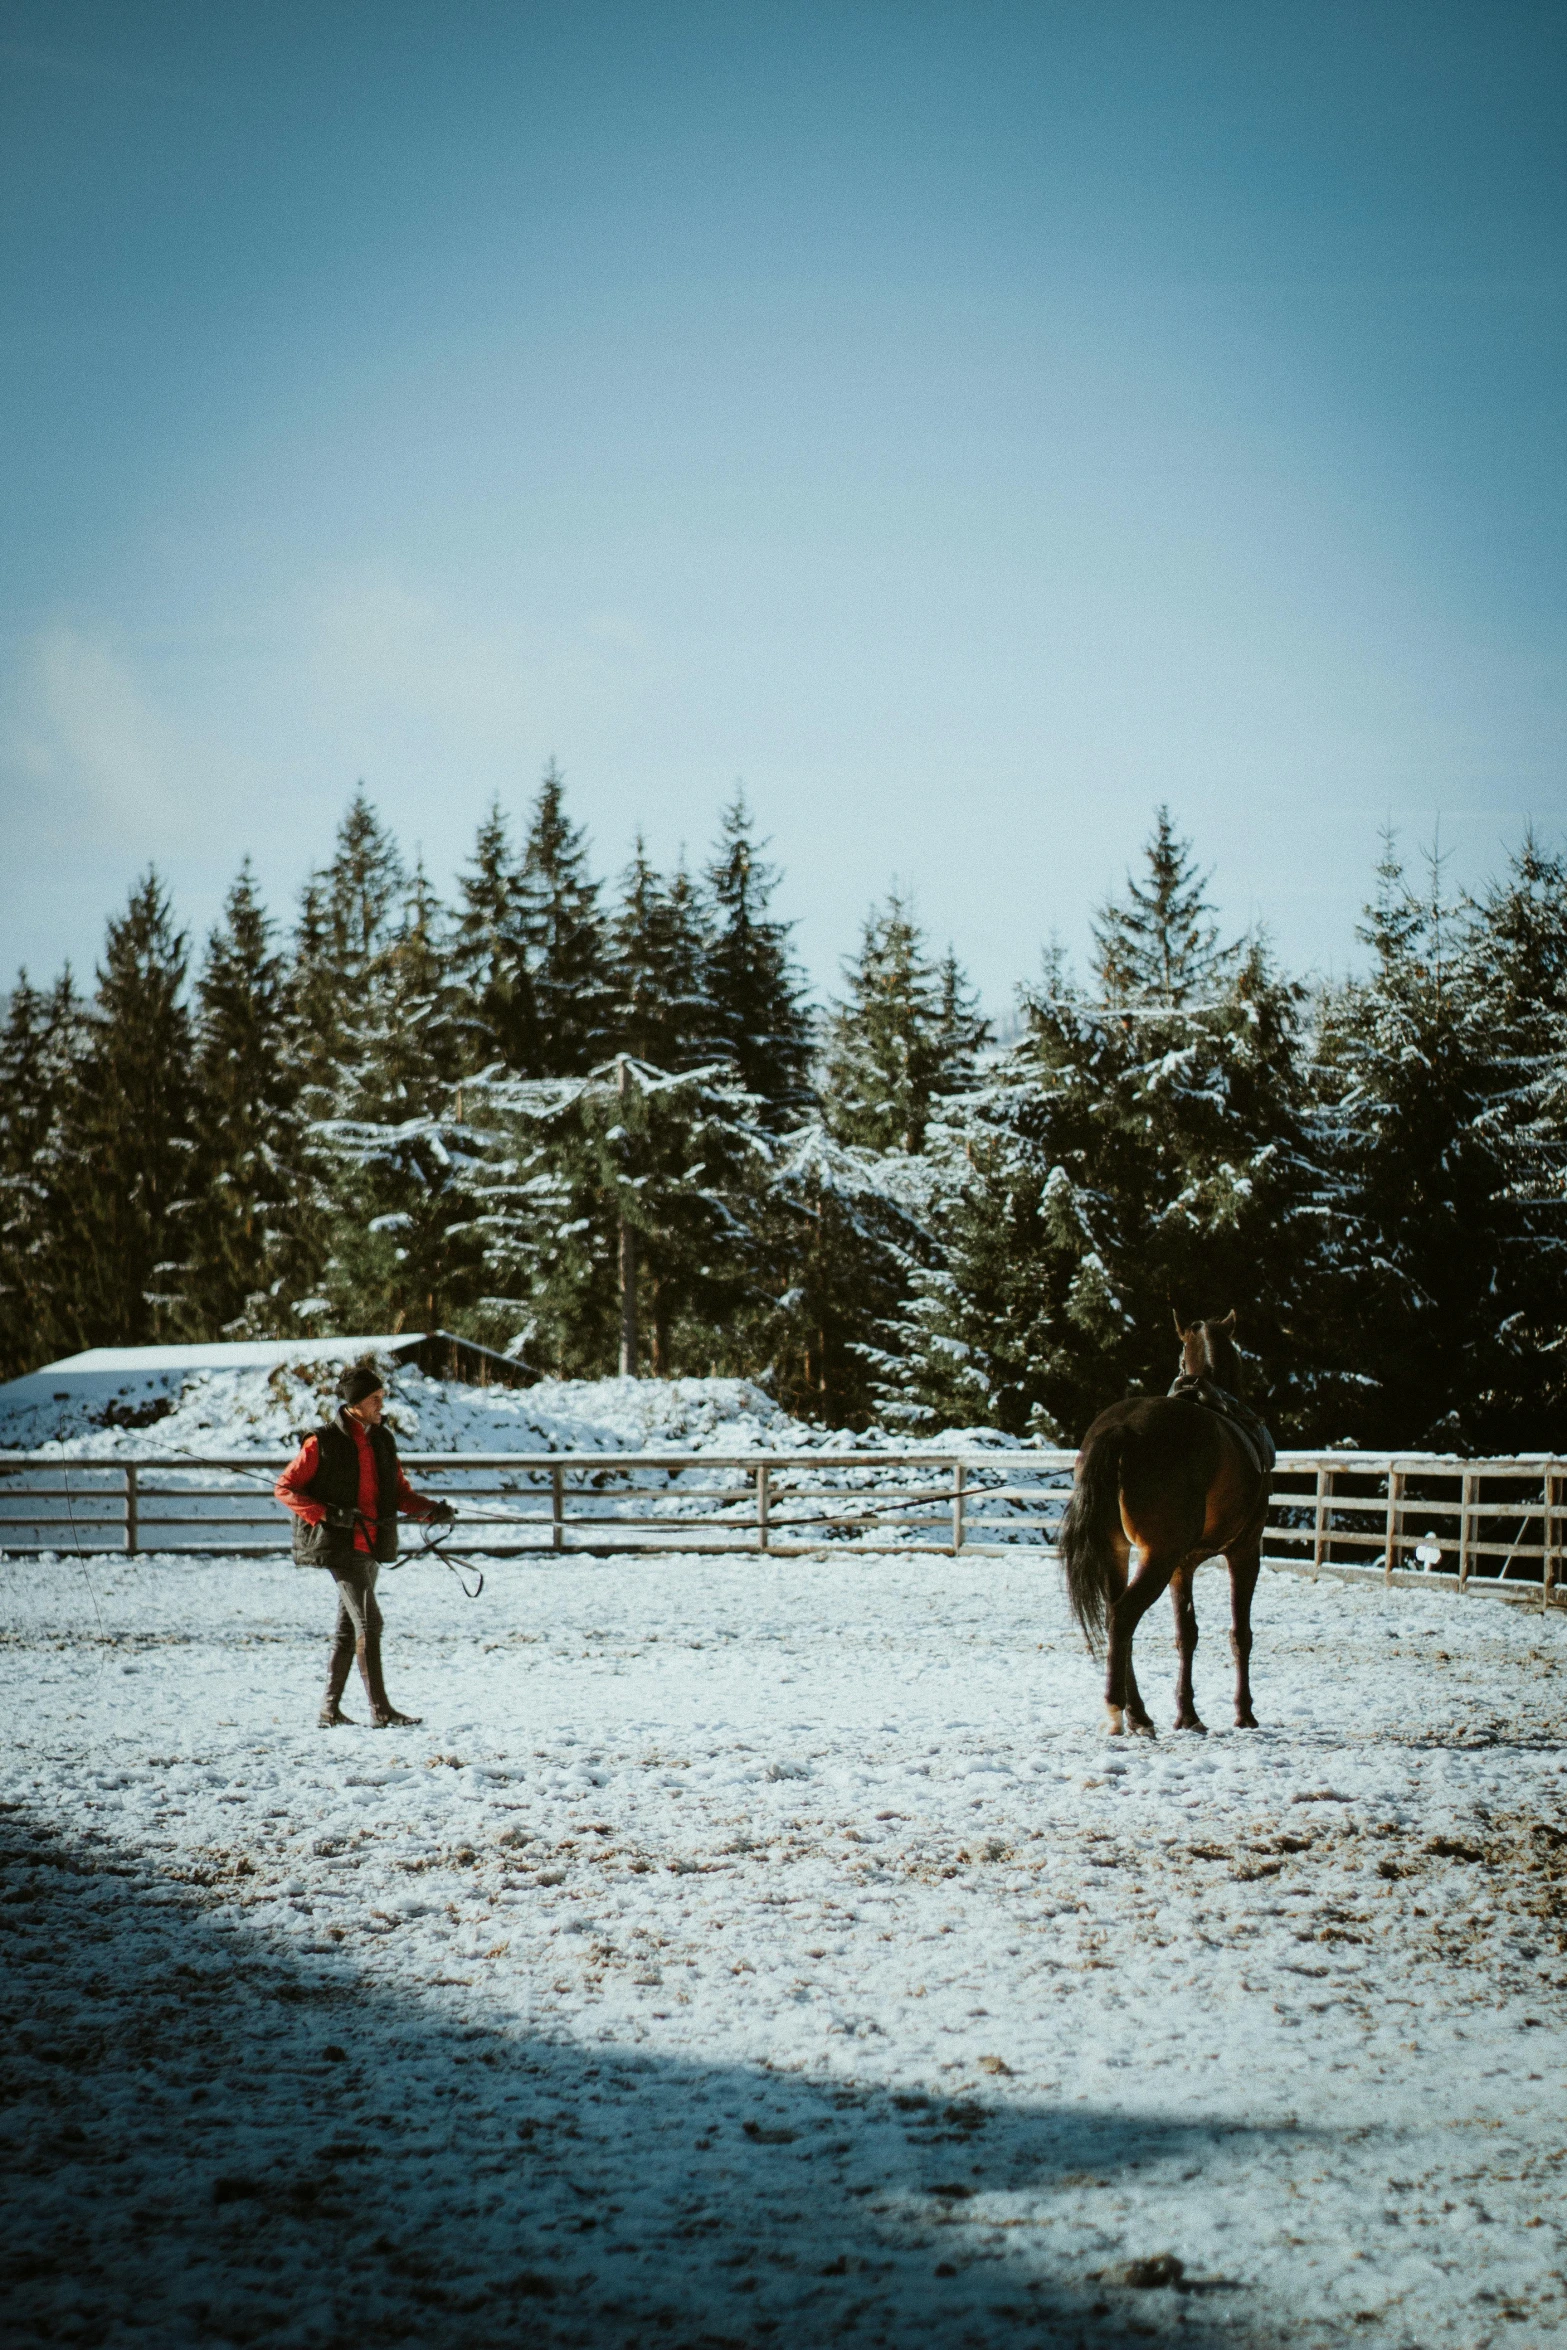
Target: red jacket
{"type": "Point", "coordinates": [301, 1472]}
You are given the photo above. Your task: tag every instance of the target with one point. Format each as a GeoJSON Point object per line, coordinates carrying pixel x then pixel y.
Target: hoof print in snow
{"type": "Point", "coordinates": [953, 2193]}
{"type": "Point", "coordinates": [234, 2190]}
{"type": "Point", "coordinates": [997, 2065]}
{"type": "Point", "coordinates": [760, 2135]}
{"type": "Point", "coordinates": [787, 1770]}
{"type": "Point", "coordinates": [1152, 2275]}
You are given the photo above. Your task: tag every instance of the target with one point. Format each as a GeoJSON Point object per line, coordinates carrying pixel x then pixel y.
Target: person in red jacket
{"type": "Point", "coordinates": [346, 1488]}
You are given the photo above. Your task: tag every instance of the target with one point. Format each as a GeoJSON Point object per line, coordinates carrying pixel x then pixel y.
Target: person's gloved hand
{"type": "Point", "coordinates": [442, 1512]}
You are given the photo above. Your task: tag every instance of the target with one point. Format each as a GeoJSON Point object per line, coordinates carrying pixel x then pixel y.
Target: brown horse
{"type": "Point", "coordinates": [1176, 1479]}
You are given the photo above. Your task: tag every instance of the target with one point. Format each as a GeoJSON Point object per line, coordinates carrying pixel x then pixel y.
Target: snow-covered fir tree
{"type": "Point", "coordinates": [393, 1151]}
{"type": "Point", "coordinates": [842, 1234]}
{"type": "Point", "coordinates": [1431, 1065]}
{"type": "Point", "coordinates": [490, 955]}
{"type": "Point", "coordinates": [1401, 1098]}
{"type": "Point", "coordinates": [245, 1236]}
{"type": "Point", "coordinates": [345, 922]}
{"type": "Point", "coordinates": [906, 1031]}
{"type": "Point", "coordinates": [126, 1130]}
{"type": "Point", "coordinates": [1113, 1163]}
{"type": "Point", "coordinates": [563, 939]}
{"type": "Point", "coordinates": [1159, 944]}
{"type": "Point", "coordinates": [40, 1277]}
{"type": "Point", "coordinates": [658, 944]}
{"type": "Point", "coordinates": [1513, 980]}
{"type": "Point", "coordinates": [761, 1016]}
{"type": "Point", "coordinates": [619, 1208]}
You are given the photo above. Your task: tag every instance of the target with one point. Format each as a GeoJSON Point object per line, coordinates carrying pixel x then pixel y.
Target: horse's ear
{"type": "Point", "coordinates": [1229, 1321]}
{"type": "Point", "coordinates": [1175, 1316]}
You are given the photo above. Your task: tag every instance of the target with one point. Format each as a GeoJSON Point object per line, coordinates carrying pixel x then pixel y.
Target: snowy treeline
{"type": "Point", "coordinates": [594, 1126]}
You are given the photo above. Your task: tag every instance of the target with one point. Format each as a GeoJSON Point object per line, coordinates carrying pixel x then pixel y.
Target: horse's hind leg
{"type": "Point", "coordinates": [1122, 1702]}
{"type": "Point", "coordinates": [1137, 1715]}
{"type": "Point", "coordinates": [1184, 1602]}
{"type": "Point", "coordinates": [1245, 1566]}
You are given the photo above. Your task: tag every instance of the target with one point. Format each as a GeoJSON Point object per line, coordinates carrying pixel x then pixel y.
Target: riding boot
{"type": "Point", "coordinates": [383, 1714]}
{"type": "Point", "coordinates": [339, 1666]}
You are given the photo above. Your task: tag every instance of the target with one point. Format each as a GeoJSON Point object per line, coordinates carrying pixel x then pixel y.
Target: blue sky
{"type": "Point", "coordinates": [967, 425]}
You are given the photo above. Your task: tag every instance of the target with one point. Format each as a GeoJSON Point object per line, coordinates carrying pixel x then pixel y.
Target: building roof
{"type": "Point", "coordinates": [242, 1354]}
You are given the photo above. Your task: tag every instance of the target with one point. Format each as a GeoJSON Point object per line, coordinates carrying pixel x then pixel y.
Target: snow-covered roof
{"type": "Point", "coordinates": [241, 1354]}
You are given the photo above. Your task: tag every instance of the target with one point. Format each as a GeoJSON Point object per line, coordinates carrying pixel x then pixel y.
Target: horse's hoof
{"type": "Point", "coordinates": [1143, 1728]}
{"type": "Point", "coordinates": [1190, 1722]}
{"type": "Point", "coordinates": [1115, 1723]}
{"type": "Point", "coordinates": [1247, 1721]}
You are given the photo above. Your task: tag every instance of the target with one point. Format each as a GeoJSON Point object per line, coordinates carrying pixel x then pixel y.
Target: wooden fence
{"type": "Point", "coordinates": [1411, 1518]}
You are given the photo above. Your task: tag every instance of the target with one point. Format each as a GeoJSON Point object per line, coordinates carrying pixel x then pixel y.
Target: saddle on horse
{"type": "Point", "coordinates": [1255, 1439]}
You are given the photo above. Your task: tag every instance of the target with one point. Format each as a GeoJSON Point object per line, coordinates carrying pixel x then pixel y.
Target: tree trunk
{"type": "Point", "coordinates": [628, 1300]}
{"type": "Point", "coordinates": [628, 1272]}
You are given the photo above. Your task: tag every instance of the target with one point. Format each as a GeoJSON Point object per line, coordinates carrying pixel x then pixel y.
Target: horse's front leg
{"type": "Point", "coordinates": [1245, 1566]}
{"type": "Point", "coordinates": [1123, 1704]}
{"type": "Point", "coordinates": [1184, 1601]}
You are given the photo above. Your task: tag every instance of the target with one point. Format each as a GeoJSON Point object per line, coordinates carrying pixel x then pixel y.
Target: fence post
{"type": "Point", "coordinates": [763, 1502]}
{"type": "Point", "coordinates": [1549, 1538]}
{"type": "Point", "coordinates": [1324, 1496]}
{"type": "Point", "coordinates": [1395, 1494]}
{"type": "Point", "coordinates": [132, 1511]}
{"type": "Point", "coordinates": [1465, 1493]}
{"type": "Point", "coordinates": [557, 1507]}
{"type": "Point", "coordinates": [958, 1478]}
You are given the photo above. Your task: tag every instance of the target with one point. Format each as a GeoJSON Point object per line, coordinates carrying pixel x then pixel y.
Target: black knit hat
{"type": "Point", "coordinates": [358, 1381]}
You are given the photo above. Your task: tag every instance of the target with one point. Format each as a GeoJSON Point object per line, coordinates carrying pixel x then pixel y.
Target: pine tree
{"type": "Point", "coordinates": [1403, 1096]}
{"type": "Point", "coordinates": [244, 1236]}
{"type": "Point", "coordinates": [843, 1231]}
{"type": "Point", "coordinates": [393, 1155]}
{"type": "Point", "coordinates": [617, 1213]}
{"type": "Point", "coordinates": [761, 1017]}
{"type": "Point", "coordinates": [1513, 983]}
{"type": "Point", "coordinates": [40, 1273]}
{"type": "Point", "coordinates": [126, 1131]}
{"type": "Point", "coordinates": [657, 970]}
{"type": "Point", "coordinates": [564, 940]}
{"type": "Point", "coordinates": [1108, 1166]}
{"type": "Point", "coordinates": [345, 924]}
{"type": "Point", "coordinates": [1159, 946]}
{"type": "Point", "coordinates": [490, 957]}
{"type": "Point", "coordinates": [907, 1032]}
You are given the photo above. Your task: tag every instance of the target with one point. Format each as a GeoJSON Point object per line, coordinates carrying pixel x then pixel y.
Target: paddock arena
{"type": "Point", "coordinates": [754, 1950]}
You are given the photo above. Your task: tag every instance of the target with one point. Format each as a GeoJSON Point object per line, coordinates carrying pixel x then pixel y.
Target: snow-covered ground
{"type": "Point", "coordinates": [775, 1952]}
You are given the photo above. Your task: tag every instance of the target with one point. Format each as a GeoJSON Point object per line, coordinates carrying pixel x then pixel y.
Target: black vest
{"type": "Point", "coordinates": [336, 1482]}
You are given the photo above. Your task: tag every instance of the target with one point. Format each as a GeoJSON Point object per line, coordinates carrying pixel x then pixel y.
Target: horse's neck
{"type": "Point", "coordinates": [1223, 1366]}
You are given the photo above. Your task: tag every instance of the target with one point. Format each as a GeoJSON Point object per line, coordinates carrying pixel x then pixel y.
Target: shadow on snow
{"type": "Point", "coordinates": [211, 2139]}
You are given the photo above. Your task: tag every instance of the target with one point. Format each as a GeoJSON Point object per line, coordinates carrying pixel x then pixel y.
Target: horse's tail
{"type": "Point", "coordinates": [1083, 1543]}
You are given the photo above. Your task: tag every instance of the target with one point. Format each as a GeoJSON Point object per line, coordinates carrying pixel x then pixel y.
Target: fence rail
{"type": "Point", "coordinates": [1494, 1525]}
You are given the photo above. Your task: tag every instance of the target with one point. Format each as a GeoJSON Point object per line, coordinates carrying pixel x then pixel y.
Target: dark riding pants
{"type": "Point", "coordinates": [357, 1638]}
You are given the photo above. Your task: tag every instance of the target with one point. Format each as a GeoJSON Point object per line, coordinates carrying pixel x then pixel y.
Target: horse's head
{"type": "Point", "coordinates": [1208, 1351]}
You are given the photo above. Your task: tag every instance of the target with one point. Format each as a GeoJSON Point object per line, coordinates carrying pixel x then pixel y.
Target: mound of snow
{"type": "Point", "coordinates": [258, 1407]}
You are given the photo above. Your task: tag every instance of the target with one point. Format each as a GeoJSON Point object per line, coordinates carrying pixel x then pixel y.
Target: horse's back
{"type": "Point", "coordinates": [1155, 1428]}
{"type": "Point", "coordinates": [1172, 1464]}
